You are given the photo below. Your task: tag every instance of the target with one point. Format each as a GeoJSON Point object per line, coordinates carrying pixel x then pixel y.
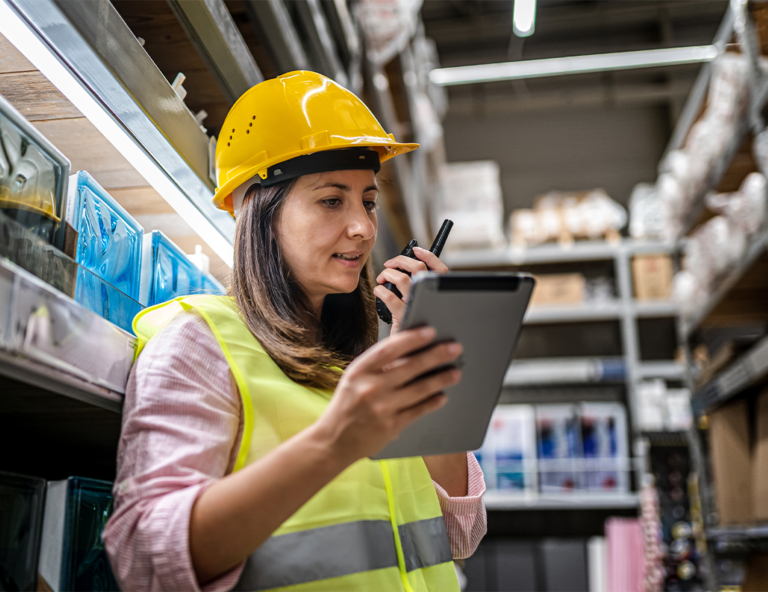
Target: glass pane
{"type": "Point", "coordinates": [21, 521]}
{"type": "Point", "coordinates": [85, 565]}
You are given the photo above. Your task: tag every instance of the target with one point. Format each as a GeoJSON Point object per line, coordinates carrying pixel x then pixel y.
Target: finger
{"type": "Point", "coordinates": [421, 390]}
{"type": "Point", "coordinates": [407, 417]}
{"type": "Point", "coordinates": [416, 365]}
{"type": "Point", "coordinates": [406, 264]}
{"type": "Point", "coordinates": [393, 347]}
{"type": "Point", "coordinates": [430, 259]}
{"type": "Point", "coordinates": [394, 304]}
{"type": "Point", "coordinates": [401, 280]}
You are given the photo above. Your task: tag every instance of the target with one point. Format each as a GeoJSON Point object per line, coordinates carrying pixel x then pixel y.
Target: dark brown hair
{"type": "Point", "coordinates": [277, 312]}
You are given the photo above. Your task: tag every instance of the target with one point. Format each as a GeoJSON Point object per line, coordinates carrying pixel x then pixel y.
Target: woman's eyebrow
{"type": "Point", "coordinates": [336, 185]}
{"type": "Point", "coordinates": [370, 188]}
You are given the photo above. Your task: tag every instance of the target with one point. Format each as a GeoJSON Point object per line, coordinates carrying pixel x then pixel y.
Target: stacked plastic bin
{"type": "Point", "coordinates": [129, 270]}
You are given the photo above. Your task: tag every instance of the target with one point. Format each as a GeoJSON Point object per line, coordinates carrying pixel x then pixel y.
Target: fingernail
{"type": "Point", "coordinates": [455, 348]}
{"type": "Point", "coordinates": [456, 375]}
{"type": "Point", "coordinates": [427, 332]}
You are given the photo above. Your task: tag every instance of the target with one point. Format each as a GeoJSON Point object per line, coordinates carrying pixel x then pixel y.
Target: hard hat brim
{"type": "Point", "coordinates": [250, 169]}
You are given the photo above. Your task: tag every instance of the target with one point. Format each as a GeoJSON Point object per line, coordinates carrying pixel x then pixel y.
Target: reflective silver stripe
{"type": "Point", "coordinates": [320, 553]}
{"type": "Point", "coordinates": [425, 543]}
{"type": "Point", "coordinates": [341, 550]}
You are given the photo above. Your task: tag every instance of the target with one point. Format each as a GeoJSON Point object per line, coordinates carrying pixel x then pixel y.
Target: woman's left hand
{"type": "Point", "coordinates": [426, 262]}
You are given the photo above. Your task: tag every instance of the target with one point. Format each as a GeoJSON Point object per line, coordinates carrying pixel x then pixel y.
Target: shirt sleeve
{"type": "Point", "coordinates": [465, 517]}
{"type": "Point", "coordinates": [181, 421]}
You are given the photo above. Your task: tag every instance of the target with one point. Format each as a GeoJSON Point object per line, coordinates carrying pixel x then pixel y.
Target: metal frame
{"type": "Point", "coordinates": [740, 374]}
{"type": "Point", "coordinates": [217, 39]}
{"type": "Point", "coordinates": [320, 41]}
{"type": "Point", "coordinates": [272, 18]}
{"type": "Point", "coordinates": [110, 71]}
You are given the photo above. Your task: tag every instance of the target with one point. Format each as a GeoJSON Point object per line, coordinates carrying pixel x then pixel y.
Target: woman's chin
{"type": "Point", "coordinates": [345, 286]}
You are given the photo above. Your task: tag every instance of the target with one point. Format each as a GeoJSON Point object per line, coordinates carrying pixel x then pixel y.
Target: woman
{"type": "Point", "coordinates": [248, 421]}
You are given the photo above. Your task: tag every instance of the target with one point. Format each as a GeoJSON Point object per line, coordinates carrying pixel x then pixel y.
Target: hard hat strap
{"type": "Point", "coordinates": [323, 162]}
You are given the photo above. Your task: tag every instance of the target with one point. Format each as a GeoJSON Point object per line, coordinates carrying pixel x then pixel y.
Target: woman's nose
{"type": "Point", "coordinates": [361, 226]}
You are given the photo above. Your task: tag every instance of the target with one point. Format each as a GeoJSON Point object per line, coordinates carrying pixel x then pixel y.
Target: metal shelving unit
{"type": "Point", "coordinates": [752, 366]}
{"type": "Point", "coordinates": [85, 358]}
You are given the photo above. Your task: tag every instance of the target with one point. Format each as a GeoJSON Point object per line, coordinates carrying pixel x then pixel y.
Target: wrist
{"type": "Point", "coordinates": [327, 447]}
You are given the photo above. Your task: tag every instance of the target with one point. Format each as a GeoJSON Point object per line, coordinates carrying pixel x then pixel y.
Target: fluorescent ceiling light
{"type": "Point", "coordinates": [573, 65]}
{"type": "Point", "coordinates": [18, 32]}
{"type": "Point", "coordinates": [524, 18]}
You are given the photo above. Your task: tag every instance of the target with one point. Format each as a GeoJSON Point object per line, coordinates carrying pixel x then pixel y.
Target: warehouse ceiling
{"type": "Point", "coordinates": [574, 132]}
{"type": "Point", "coordinates": [480, 31]}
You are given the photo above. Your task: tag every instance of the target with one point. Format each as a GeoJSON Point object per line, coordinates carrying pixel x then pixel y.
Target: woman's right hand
{"type": "Point", "coordinates": [377, 397]}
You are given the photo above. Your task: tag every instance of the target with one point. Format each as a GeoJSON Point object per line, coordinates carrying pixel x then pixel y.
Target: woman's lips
{"type": "Point", "coordinates": [350, 263]}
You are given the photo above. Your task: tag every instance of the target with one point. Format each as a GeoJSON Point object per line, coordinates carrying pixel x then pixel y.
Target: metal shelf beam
{"type": "Point", "coordinates": [565, 371]}
{"type": "Point", "coordinates": [217, 39]}
{"type": "Point", "coordinates": [604, 311]}
{"type": "Point", "coordinates": [506, 500]}
{"type": "Point", "coordinates": [50, 341]}
{"type": "Point", "coordinates": [744, 372]}
{"type": "Point", "coordinates": [272, 19]}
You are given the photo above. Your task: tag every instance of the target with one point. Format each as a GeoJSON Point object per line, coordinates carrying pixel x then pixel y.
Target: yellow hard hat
{"type": "Point", "coordinates": [293, 115]}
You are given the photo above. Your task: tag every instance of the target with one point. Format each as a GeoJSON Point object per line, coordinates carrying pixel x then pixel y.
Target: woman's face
{"type": "Point", "coordinates": [326, 230]}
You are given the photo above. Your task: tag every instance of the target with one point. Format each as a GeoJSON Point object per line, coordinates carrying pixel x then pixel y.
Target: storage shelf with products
{"type": "Point", "coordinates": [723, 293]}
{"type": "Point", "coordinates": [756, 249]}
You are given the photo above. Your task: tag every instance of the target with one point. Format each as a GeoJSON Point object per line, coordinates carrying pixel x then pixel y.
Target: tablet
{"type": "Point", "coordinates": [484, 312]}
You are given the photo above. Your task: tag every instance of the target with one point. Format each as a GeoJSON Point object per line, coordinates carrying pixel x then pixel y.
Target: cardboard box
{"type": "Point", "coordinates": [760, 461]}
{"type": "Point", "coordinates": [561, 288]}
{"type": "Point", "coordinates": [756, 577]}
{"type": "Point", "coordinates": [652, 276]}
{"type": "Point", "coordinates": [731, 458]}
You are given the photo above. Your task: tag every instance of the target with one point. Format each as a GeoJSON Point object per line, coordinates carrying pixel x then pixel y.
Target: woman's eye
{"type": "Point", "coordinates": [370, 206]}
{"type": "Point", "coordinates": [332, 202]}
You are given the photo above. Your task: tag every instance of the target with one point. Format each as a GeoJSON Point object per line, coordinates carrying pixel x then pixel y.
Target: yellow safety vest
{"type": "Point", "coordinates": [376, 527]}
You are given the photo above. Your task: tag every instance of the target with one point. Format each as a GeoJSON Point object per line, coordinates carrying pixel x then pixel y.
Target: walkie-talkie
{"type": "Point", "coordinates": [436, 248]}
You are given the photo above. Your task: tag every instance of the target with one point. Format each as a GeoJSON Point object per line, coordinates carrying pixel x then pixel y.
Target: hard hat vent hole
{"type": "Point", "coordinates": [230, 137]}
{"type": "Point", "coordinates": [254, 117]}
{"type": "Point", "coordinates": [247, 131]}
{"type": "Point", "coordinates": [250, 125]}
{"type": "Point", "coordinates": [227, 143]}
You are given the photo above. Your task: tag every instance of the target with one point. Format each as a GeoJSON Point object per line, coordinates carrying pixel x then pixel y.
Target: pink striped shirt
{"type": "Point", "coordinates": [182, 425]}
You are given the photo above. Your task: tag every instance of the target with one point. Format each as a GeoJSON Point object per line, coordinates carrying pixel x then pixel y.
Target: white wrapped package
{"type": "Point", "coordinates": [687, 292]}
{"type": "Point", "coordinates": [729, 89]}
{"type": "Point", "coordinates": [600, 213]}
{"type": "Point", "coordinates": [471, 197]}
{"type": "Point", "coordinates": [745, 208]}
{"type": "Point", "coordinates": [671, 197]}
{"type": "Point", "coordinates": [648, 216]}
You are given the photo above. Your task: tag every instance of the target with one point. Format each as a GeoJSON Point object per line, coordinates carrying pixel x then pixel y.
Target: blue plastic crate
{"type": "Point", "coordinates": [105, 300]}
{"type": "Point", "coordinates": [109, 242]}
{"type": "Point", "coordinates": [168, 273]}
